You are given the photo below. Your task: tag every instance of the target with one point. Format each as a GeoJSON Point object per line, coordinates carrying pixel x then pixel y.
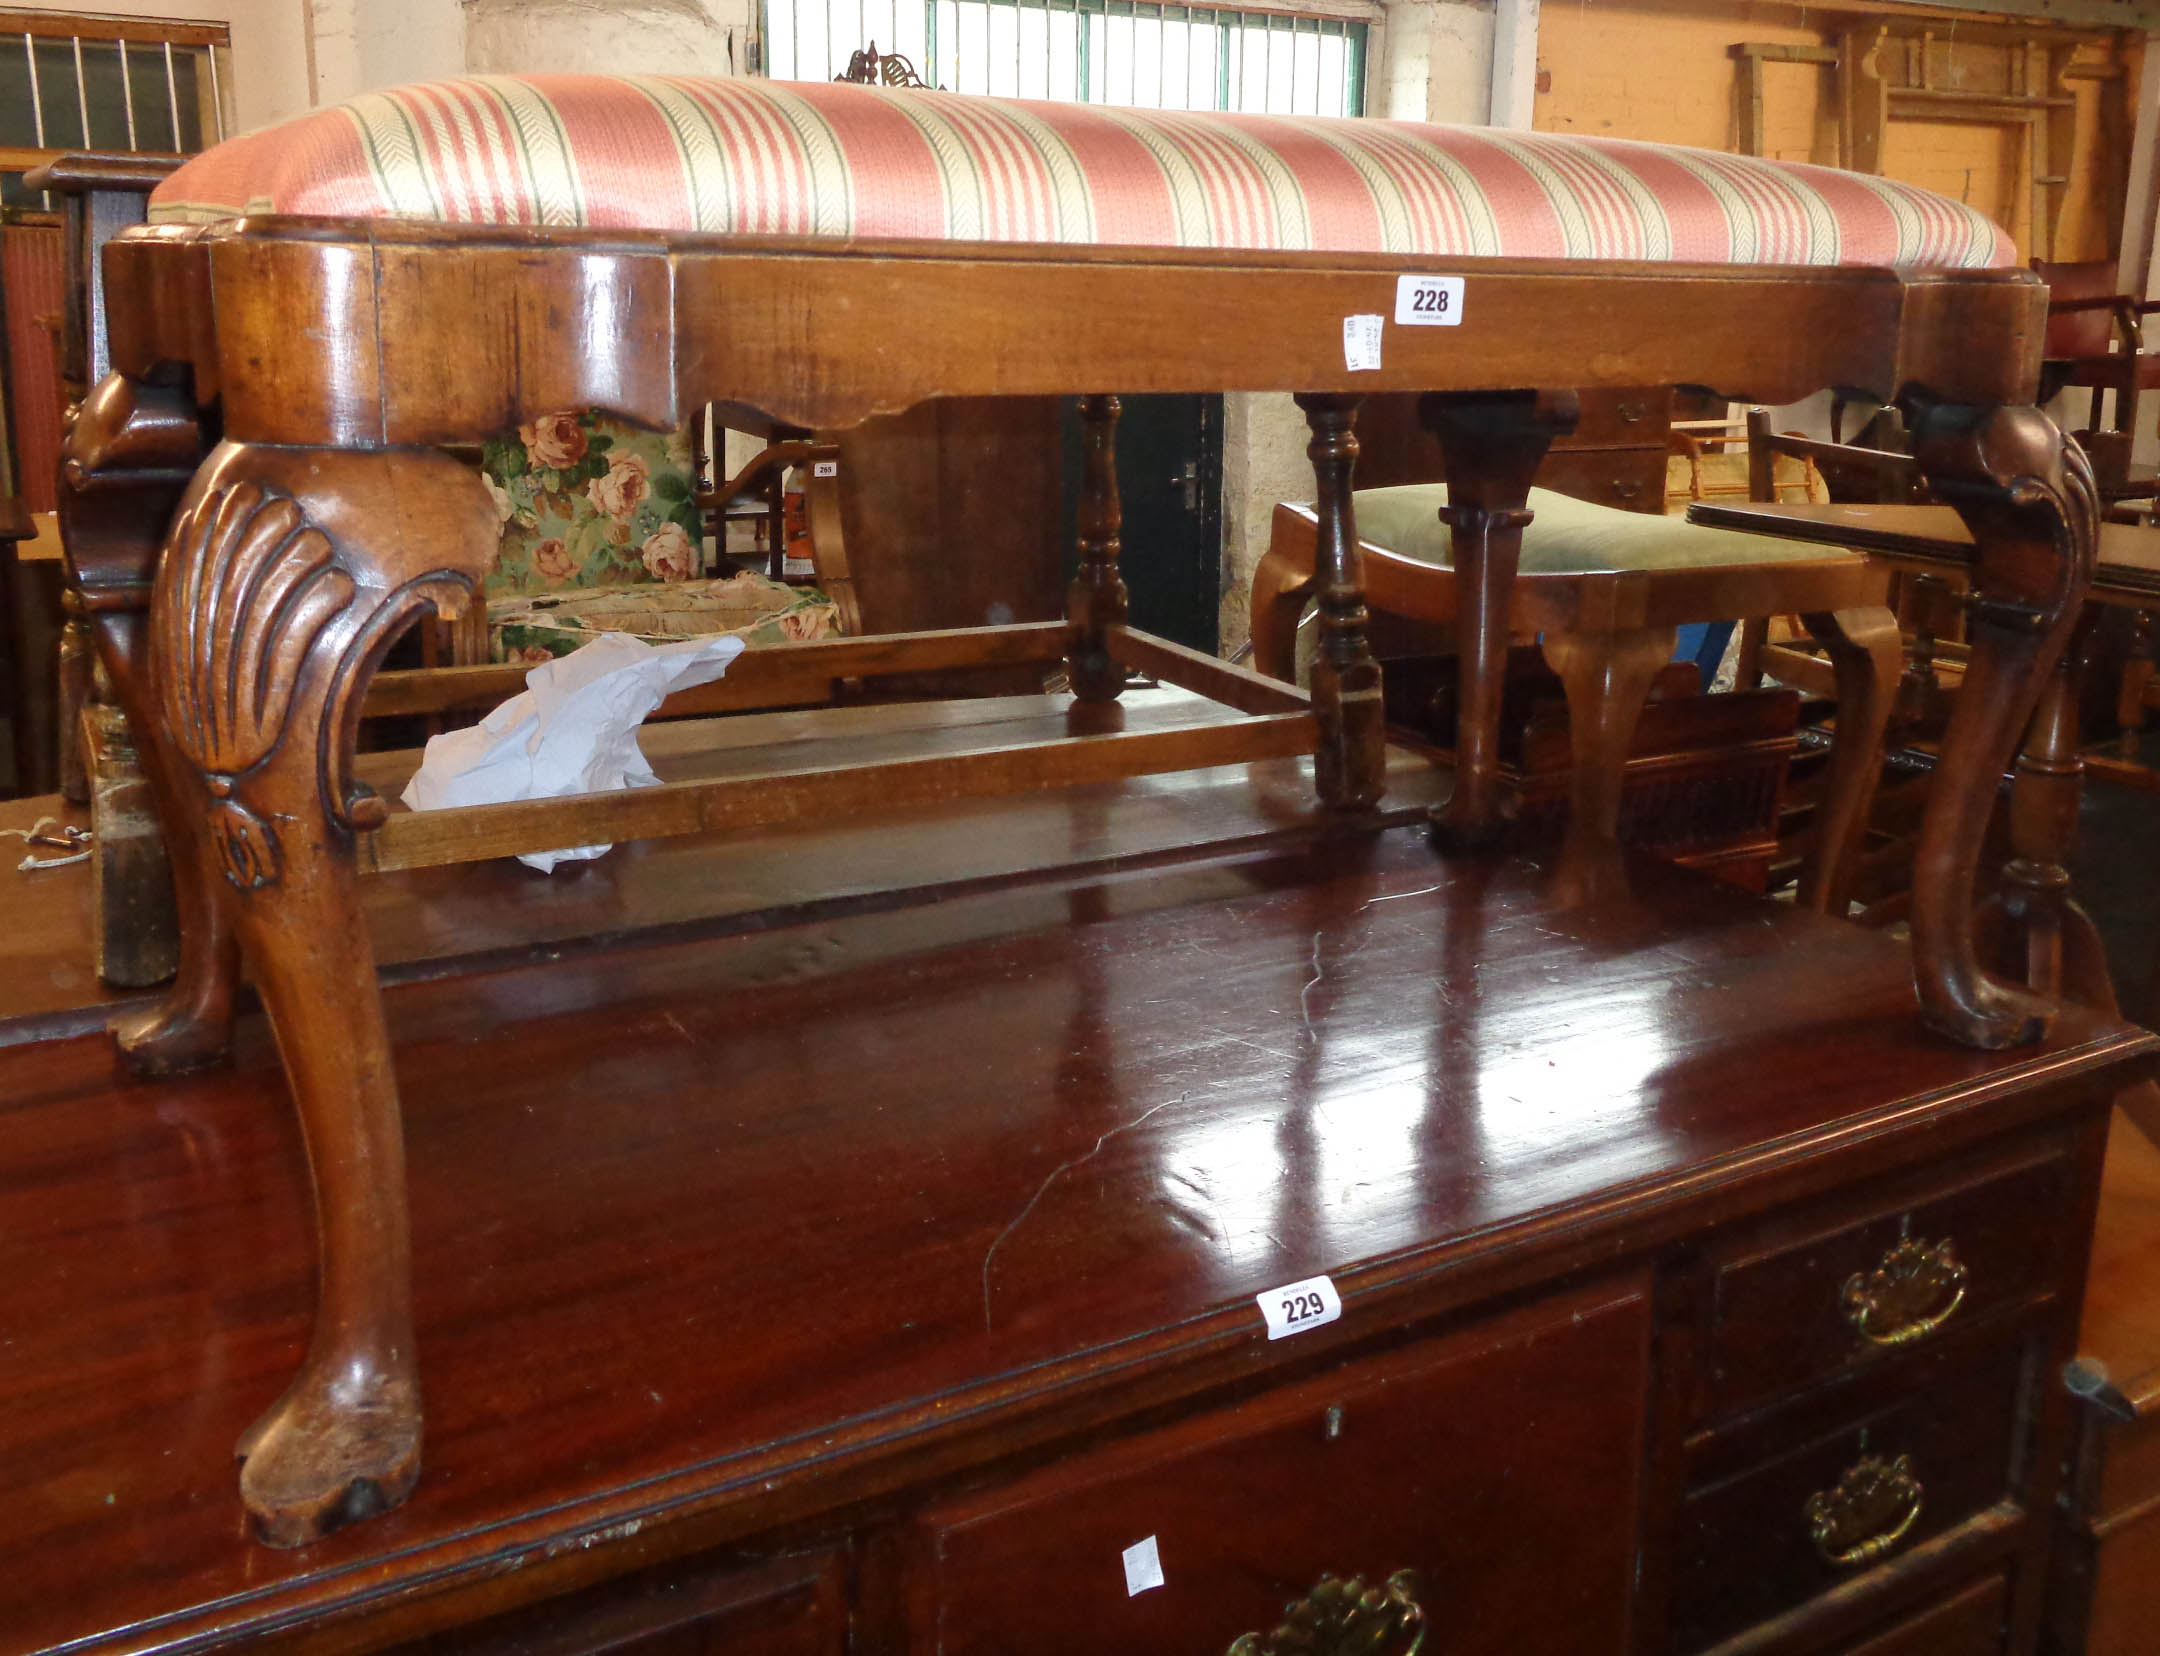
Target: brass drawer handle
{"type": "Point", "coordinates": [1908, 1296]}
{"type": "Point", "coordinates": [1345, 1618]}
{"type": "Point", "coordinates": [1630, 412]}
{"type": "Point", "coordinates": [1870, 1511]}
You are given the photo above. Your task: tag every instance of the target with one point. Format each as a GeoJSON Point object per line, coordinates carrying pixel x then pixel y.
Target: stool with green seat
{"type": "Point", "coordinates": [1604, 592]}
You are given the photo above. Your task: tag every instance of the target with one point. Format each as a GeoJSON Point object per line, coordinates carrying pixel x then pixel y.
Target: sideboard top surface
{"type": "Point", "coordinates": [703, 1229]}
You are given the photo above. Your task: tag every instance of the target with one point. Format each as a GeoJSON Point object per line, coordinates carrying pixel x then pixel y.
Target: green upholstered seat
{"type": "Point", "coordinates": [1571, 537]}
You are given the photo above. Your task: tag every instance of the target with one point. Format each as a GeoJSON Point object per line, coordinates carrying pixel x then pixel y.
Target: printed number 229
{"type": "Point", "coordinates": [1297, 1306]}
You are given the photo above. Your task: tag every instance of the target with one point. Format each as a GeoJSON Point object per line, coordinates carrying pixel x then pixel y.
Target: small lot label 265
{"type": "Point", "coordinates": [1428, 301]}
{"type": "Point", "coordinates": [1298, 1306]}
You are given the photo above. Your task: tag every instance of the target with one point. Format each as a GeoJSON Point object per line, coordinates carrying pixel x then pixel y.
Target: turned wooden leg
{"type": "Point", "coordinates": [2032, 905]}
{"type": "Point", "coordinates": [2136, 680]}
{"type": "Point", "coordinates": [1282, 586]}
{"type": "Point", "coordinates": [1867, 652]}
{"type": "Point", "coordinates": [2027, 495]}
{"type": "Point", "coordinates": [1350, 764]}
{"type": "Point", "coordinates": [1492, 443]}
{"type": "Point", "coordinates": [130, 451]}
{"type": "Point", "coordinates": [1097, 600]}
{"type": "Point", "coordinates": [1607, 677]}
{"type": "Point", "coordinates": [72, 673]}
{"type": "Point", "coordinates": [287, 575]}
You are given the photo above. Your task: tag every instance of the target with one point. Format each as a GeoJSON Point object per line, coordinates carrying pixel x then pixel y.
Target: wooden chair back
{"type": "Point", "coordinates": [1851, 473]}
{"type": "Point", "coordinates": [2076, 327]}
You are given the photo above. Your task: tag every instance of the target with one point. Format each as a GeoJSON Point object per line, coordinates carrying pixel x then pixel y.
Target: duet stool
{"type": "Point", "coordinates": [1605, 592]}
{"type": "Point", "coordinates": [439, 264]}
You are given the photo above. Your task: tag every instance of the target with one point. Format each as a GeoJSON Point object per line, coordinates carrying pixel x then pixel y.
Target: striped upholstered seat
{"type": "Point", "coordinates": [676, 153]}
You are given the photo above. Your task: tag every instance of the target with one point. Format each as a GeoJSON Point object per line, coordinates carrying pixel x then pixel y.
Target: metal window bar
{"type": "Point", "coordinates": [77, 102]}
{"type": "Point", "coordinates": [1283, 62]}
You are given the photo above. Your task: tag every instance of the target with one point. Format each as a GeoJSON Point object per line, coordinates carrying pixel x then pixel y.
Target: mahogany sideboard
{"type": "Point", "coordinates": [877, 1275]}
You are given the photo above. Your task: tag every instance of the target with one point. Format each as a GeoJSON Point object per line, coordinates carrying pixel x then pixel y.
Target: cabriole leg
{"type": "Point", "coordinates": [2027, 495]}
{"type": "Point", "coordinates": [287, 575]}
{"type": "Point", "coordinates": [1350, 765]}
{"type": "Point", "coordinates": [1607, 677]}
{"type": "Point", "coordinates": [1097, 599]}
{"type": "Point", "coordinates": [1867, 652]}
{"type": "Point", "coordinates": [1492, 444]}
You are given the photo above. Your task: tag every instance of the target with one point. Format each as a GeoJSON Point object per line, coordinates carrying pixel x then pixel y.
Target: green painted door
{"type": "Point", "coordinates": [1169, 462]}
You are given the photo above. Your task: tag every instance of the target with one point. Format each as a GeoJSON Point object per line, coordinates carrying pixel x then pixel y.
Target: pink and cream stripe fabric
{"type": "Point", "coordinates": [682, 153]}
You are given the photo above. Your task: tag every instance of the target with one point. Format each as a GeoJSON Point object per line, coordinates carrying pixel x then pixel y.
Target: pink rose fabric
{"type": "Point", "coordinates": [555, 441]}
{"type": "Point", "coordinates": [669, 555]}
{"type": "Point", "coordinates": [552, 559]}
{"type": "Point", "coordinates": [616, 495]}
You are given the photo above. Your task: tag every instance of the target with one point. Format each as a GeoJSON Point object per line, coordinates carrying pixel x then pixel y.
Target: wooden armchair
{"type": "Point", "coordinates": [602, 531]}
{"type": "Point", "coordinates": [2095, 338]}
{"type": "Point", "coordinates": [1849, 473]}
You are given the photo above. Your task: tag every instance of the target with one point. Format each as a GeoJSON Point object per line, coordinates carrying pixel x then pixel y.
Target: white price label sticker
{"type": "Point", "coordinates": [1361, 342]}
{"type": "Point", "coordinates": [1428, 301]}
{"type": "Point", "coordinates": [1298, 1306]}
{"type": "Point", "coordinates": [824, 468]}
{"type": "Point", "coordinates": [1143, 1567]}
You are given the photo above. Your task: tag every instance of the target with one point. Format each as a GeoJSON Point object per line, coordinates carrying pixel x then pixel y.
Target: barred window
{"type": "Point", "coordinates": [70, 83]}
{"type": "Point", "coordinates": [1132, 52]}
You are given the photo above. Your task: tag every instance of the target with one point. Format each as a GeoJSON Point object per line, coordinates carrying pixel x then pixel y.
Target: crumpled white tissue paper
{"type": "Point", "coordinates": [572, 730]}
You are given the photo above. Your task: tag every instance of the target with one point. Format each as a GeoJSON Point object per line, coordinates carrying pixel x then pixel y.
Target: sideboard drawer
{"type": "Point", "coordinates": [1943, 1453]}
{"type": "Point", "coordinates": [1630, 415]}
{"type": "Point", "coordinates": [789, 1606]}
{"type": "Point", "coordinates": [1901, 1274]}
{"type": "Point", "coordinates": [1497, 1463]}
{"type": "Point", "coordinates": [1971, 1624]}
{"type": "Point", "coordinates": [1632, 479]}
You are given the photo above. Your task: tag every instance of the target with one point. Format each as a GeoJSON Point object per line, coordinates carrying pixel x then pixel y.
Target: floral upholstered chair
{"type": "Point", "coordinates": [600, 534]}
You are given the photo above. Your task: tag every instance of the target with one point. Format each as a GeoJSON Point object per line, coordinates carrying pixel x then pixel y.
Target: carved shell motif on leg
{"type": "Point", "coordinates": [246, 588]}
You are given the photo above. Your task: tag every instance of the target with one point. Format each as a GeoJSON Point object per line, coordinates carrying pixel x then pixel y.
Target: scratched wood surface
{"type": "Point", "coordinates": [432, 921]}
{"type": "Point", "coordinates": [851, 1204]}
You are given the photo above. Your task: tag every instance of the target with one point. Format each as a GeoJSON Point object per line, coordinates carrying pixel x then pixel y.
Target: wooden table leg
{"type": "Point", "coordinates": [71, 684]}
{"type": "Point", "coordinates": [287, 575]}
{"type": "Point", "coordinates": [1607, 677]}
{"type": "Point", "coordinates": [130, 451]}
{"type": "Point", "coordinates": [1492, 444]}
{"type": "Point", "coordinates": [2039, 930]}
{"type": "Point", "coordinates": [1867, 653]}
{"type": "Point", "coordinates": [1350, 765]}
{"type": "Point", "coordinates": [2027, 495]}
{"type": "Point", "coordinates": [1097, 600]}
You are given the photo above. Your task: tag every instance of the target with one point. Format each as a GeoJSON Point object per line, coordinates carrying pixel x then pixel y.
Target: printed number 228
{"type": "Point", "coordinates": [1431, 300]}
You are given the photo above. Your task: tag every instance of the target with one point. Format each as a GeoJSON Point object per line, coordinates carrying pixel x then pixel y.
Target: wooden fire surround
{"type": "Point", "coordinates": [272, 424]}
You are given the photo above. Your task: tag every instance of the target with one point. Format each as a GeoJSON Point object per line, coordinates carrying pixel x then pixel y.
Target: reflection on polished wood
{"type": "Point", "coordinates": [1115, 1106]}
{"type": "Point", "coordinates": [337, 356]}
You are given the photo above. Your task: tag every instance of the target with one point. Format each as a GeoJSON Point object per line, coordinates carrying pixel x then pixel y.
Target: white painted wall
{"type": "Point", "coordinates": [358, 44]}
{"type": "Point", "coordinates": [684, 37]}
